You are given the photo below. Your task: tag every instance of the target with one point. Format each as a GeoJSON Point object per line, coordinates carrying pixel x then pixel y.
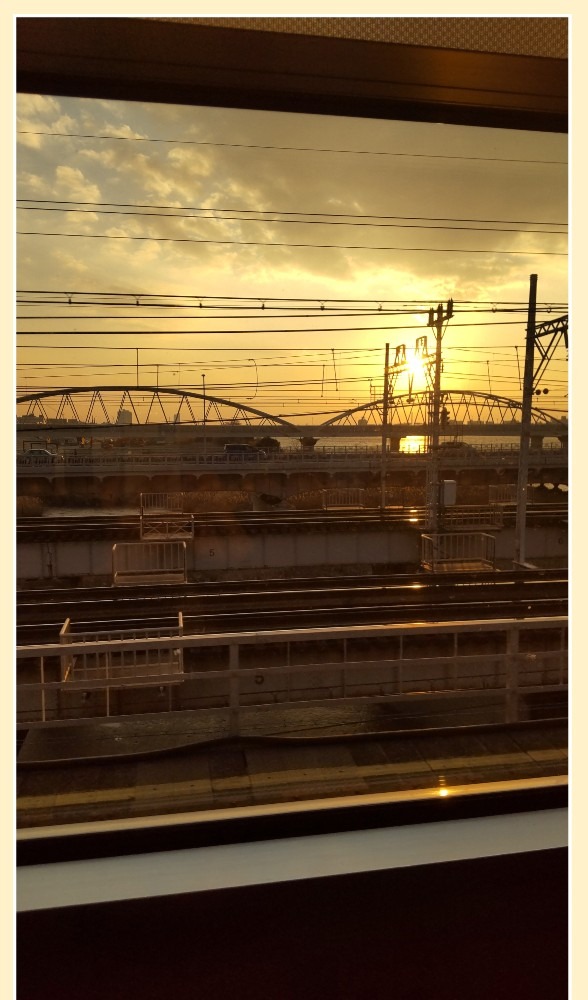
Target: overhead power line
{"type": "Point", "coordinates": [315, 246]}
{"type": "Point", "coordinates": [275, 211]}
{"type": "Point", "coordinates": [213, 333]}
{"type": "Point", "coordinates": [285, 222]}
{"type": "Point", "coordinates": [297, 149]}
{"type": "Point", "coordinates": [407, 304]}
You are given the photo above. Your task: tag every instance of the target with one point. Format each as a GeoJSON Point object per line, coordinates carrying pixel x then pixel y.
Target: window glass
{"type": "Point", "coordinates": [217, 310]}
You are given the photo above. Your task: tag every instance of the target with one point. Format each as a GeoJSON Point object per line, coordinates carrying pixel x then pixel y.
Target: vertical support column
{"type": "Point", "coordinates": [563, 655]}
{"type": "Point", "coordinates": [521, 520]}
{"type": "Point", "coordinates": [384, 429]}
{"type": "Point", "coordinates": [433, 498]}
{"type": "Point", "coordinates": [43, 714]}
{"type": "Point", "coordinates": [204, 411]}
{"type": "Point", "coordinates": [233, 690]}
{"type": "Point", "coordinates": [512, 675]}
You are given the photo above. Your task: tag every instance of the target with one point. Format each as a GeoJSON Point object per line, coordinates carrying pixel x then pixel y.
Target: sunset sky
{"type": "Point", "coordinates": [131, 188]}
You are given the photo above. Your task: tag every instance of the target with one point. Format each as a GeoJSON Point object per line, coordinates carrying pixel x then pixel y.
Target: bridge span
{"type": "Point", "coordinates": [104, 411]}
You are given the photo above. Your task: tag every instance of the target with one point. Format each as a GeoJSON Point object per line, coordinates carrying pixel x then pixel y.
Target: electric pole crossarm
{"type": "Point", "coordinates": [437, 319]}
{"type": "Point", "coordinates": [556, 329]}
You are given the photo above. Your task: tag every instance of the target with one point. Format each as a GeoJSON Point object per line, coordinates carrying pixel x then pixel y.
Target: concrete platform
{"type": "Point", "coordinates": [170, 766]}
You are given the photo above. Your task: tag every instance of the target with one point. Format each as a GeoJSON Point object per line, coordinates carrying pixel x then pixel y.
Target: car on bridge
{"type": "Point", "coordinates": [39, 456]}
{"type": "Point", "coordinates": [243, 453]}
{"type": "Point", "coordinates": [456, 447]}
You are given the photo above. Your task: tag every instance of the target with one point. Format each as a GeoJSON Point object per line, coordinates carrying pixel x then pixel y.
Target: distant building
{"type": "Point", "coordinates": [124, 417]}
{"type": "Point", "coordinates": [31, 419]}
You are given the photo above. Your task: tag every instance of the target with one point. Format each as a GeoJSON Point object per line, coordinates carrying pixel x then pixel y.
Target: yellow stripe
{"type": "Point", "coordinates": [269, 779]}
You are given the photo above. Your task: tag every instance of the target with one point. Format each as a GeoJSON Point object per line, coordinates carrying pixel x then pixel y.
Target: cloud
{"type": "Point", "coordinates": [71, 182]}
{"type": "Point", "coordinates": [71, 264]}
{"type": "Point", "coordinates": [37, 104]}
{"type": "Point", "coordinates": [383, 188]}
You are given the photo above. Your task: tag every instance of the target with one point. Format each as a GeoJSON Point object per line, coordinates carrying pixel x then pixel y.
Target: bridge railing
{"type": "Point", "coordinates": [367, 459]}
{"type": "Point", "coordinates": [330, 667]}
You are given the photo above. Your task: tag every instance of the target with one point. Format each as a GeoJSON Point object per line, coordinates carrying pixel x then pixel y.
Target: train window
{"type": "Point", "coordinates": [282, 603]}
{"type": "Point", "coordinates": [228, 330]}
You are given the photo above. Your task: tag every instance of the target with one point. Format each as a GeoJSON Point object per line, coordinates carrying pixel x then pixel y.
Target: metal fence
{"type": "Point", "coordinates": [134, 667]}
{"type": "Point", "coordinates": [148, 562]}
{"type": "Point", "coordinates": [504, 493]}
{"type": "Point", "coordinates": [152, 502]}
{"type": "Point", "coordinates": [324, 667]}
{"type": "Point", "coordinates": [163, 529]}
{"type": "Point", "coordinates": [456, 551]}
{"type": "Point", "coordinates": [483, 518]}
{"type": "Point", "coordinates": [369, 459]}
{"type": "Point", "coordinates": [350, 497]}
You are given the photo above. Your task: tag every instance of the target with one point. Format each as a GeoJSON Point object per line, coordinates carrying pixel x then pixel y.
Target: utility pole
{"type": "Point", "coordinates": [385, 428]}
{"type": "Point", "coordinates": [204, 410]}
{"type": "Point", "coordinates": [436, 320]}
{"type": "Point", "coordinates": [521, 521]}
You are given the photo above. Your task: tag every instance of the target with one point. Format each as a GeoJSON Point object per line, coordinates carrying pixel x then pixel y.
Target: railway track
{"type": "Point", "coordinates": [273, 604]}
{"type": "Point", "coordinates": [253, 520]}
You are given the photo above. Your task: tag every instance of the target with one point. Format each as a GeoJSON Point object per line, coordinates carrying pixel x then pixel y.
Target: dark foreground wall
{"type": "Point", "coordinates": [484, 928]}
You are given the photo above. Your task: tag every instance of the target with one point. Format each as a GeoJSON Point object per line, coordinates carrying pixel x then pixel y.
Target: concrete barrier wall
{"type": "Point", "coordinates": [212, 554]}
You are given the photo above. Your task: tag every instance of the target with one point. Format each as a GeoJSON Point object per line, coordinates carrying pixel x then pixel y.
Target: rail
{"type": "Point", "coordinates": [508, 658]}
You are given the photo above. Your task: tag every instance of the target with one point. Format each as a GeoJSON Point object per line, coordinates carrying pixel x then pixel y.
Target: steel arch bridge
{"type": "Point", "coordinates": [119, 405]}
{"type": "Point", "coordinates": [146, 404]}
{"type": "Point", "coordinates": [457, 406]}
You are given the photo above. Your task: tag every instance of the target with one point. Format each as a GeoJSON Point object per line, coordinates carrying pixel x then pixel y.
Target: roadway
{"type": "Point", "coordinates": [362, 459]}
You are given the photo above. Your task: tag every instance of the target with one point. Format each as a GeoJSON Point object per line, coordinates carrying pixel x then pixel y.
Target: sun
{"type": "Point", "coordinates": [415, 371]}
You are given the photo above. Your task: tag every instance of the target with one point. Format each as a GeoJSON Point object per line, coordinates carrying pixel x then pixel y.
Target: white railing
{"type": "Point", "coordinates": [161, 502]}
{"type": "Point", "coordinates": [164, 529]}
{"type": "Point", "coordinates": [457, 550]}
{"type": "Point", "coordinates": [505, 493]}
{"type": "Point", "coordinates": [482, 518]}
{"type": "Point", "coordinates": [149, 562]}
{"type": "Point", "coordinates": [350, 497]}
{"type": "Point", "coordinates": [137, 668]}
{"type": "Point", "coordinates": [327, 667]}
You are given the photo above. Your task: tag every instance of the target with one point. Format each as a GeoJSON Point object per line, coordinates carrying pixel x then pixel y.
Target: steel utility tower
{"type": "Point", "coordinates": [437, 319]}
{"type": "Point", "coordinates": [556, 330]}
